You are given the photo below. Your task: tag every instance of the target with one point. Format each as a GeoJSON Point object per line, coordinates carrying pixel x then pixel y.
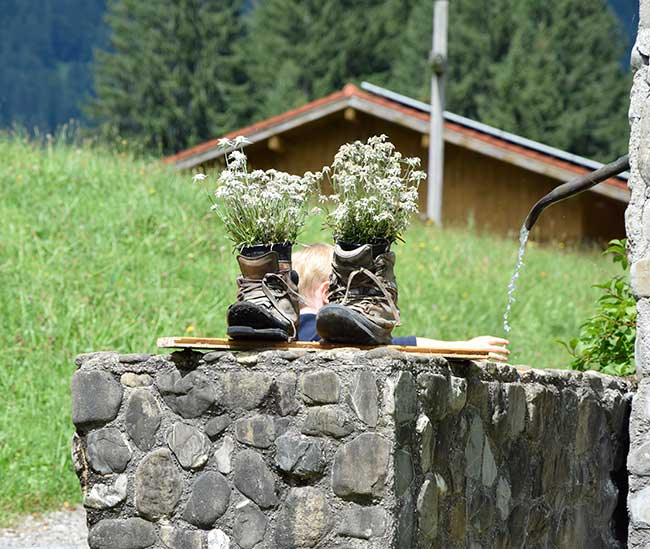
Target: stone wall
{"type": "Point", "coordinates": [637, 221]}
{"type": "Point", "coordinates": [346, 449]}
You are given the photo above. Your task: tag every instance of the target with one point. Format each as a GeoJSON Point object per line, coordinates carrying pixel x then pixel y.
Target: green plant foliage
{"type": "Point", "coordinates": [375, 191]}
{"type": "Point", "coordinates": [606, 340]}
{"type": "Point", "coordinates": [260, 206]}
{"type": "Point", "coordinates": [299, 50]}
{"type": "Point", "coordinates": [302, 49]}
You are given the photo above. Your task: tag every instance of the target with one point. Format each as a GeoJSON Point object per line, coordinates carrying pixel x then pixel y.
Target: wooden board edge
{"type": "Point", "coordinates": [224, 344]}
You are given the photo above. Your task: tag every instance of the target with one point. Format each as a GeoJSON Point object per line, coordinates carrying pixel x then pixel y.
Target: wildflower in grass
{"type": "Point", "coordinates": [260, 206]}
{"type": "Point", "coordinates": [375, 191]}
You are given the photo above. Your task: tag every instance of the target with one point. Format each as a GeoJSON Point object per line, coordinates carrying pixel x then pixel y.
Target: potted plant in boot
{"type": "Point", "coordinates": [375, 193]}
{"type": "Point", "coordinates": [263, 212]}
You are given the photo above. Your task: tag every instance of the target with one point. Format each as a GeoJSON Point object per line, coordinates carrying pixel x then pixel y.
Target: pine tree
{"type": "Point", "coordinates": [471, 43]}
{"type": "Point", "coordinates": [561, 81]}
{"type": "Point", "coordinates": [173, 75]}
{"type": "Point", "coordinates": [546, 70]}
{"type": "Point", "coordinates": [320, 46]}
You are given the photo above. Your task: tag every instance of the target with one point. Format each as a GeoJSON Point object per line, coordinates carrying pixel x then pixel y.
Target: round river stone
{"type": "Point", "coordinates": [158, 485]}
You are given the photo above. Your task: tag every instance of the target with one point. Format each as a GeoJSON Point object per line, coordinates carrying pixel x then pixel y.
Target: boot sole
{"type": "Point", "coordinates": [339, 324]}
{"type": "Point", "coordinates": [267, 334]}
{"type": "Point", "coordinates": [247, 321]}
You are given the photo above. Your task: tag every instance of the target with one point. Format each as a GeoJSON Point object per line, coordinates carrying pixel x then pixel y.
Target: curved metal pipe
{"type": "Point", "coordinates": [575, 186]}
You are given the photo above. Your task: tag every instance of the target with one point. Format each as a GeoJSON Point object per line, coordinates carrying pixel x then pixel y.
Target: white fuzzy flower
{"type": "Point", "coordinates": [240, 141]}
{"type": "Point", "coordinates": [262, 206]}
{"type": "Point", "coordinates": [198, 177]}
{"type": "Point", "coordinates": [236, 160]}
{"type": "Point", "coordinates": [383, 216]}
{"type": "Point", "coordinates": [375, 190]}
{"type": "Point", "coordinates": [225, 143]}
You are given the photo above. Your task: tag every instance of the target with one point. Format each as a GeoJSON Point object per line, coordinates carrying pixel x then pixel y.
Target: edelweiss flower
{"type": "Point", "coordinates": [240, 141]}
{"type": "Point", "coordinates": [375, 190]}
{"type": "Point", "coordinates": [260, 207]}
{"type": "Point", "coordinates": [237, 160]}
{"type": "Point", "coordinates": [198, 177]}
{"type": "Point", "coordinates": [225, 143]}
{"type": "Point", "coordinates": [412, 162]}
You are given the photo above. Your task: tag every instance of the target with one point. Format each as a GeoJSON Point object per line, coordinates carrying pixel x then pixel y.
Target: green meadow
{"type": "Point", "coordinates": [101, 251]}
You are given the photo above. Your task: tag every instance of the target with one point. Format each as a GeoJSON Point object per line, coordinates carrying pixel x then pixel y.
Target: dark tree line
{"type": "Point", "coordinates": [46, 56]}
{"type": "Point", "coordinates": [549, 71]}
{"type": "Point", "coordinates": [176, 72]}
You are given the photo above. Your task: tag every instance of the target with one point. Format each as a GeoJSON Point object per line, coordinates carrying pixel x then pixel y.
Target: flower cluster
{"type": "Point", "coordinates": [375, 191]}
{"type": "Point", "coordinates": [260, 206]}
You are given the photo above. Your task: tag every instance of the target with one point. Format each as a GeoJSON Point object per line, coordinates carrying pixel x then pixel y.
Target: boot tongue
{"type": "Point", "coordinates": [254, 268]}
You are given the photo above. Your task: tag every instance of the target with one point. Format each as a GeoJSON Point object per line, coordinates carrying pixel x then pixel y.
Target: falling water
{"type": "Point", "coordinates": [523, 238]}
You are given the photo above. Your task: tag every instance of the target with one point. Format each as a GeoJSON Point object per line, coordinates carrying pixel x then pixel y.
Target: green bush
{"type": "Point", "coordinates": [606, 340]}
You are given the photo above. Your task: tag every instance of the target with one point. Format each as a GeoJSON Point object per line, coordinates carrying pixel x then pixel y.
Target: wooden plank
{"type": "Point", "coordinates": [244, 345]}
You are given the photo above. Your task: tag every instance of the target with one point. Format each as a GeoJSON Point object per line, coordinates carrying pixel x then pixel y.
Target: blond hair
{"type": "Point", "coordinates": [313, 264]}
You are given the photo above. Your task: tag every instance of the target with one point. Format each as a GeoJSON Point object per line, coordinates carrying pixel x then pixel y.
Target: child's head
{"type": "Point", "coordinates": [313, 264]}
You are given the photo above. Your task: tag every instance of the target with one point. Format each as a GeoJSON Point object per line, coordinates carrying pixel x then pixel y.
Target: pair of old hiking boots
{"type": "Point", "coordinates": [362, 297]}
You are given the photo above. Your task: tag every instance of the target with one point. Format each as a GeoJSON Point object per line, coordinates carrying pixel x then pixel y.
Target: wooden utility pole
{"type": "Point", "coordinates": [436, 138]}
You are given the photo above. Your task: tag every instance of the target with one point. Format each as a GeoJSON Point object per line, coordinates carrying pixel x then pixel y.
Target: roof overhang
{"type": "Point", "coordinates": [491, 142]}
{"type": "Point", "coordinates": [262, 134]}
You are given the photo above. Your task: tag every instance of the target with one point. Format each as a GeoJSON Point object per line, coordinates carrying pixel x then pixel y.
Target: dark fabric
{"type": "Point", "coordinates": [407, 341]}
{"type": "Point", "coordinates": [307, 329]}
{"type": "Point", "coordinates": [307, 332]}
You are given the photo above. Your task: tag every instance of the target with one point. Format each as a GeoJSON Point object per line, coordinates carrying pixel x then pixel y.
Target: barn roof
{"type": "Point", "coordinates": [407, 112]}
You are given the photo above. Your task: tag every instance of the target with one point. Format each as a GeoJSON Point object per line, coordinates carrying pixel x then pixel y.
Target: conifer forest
{"type": "Point", "coordinates": [172, 73]}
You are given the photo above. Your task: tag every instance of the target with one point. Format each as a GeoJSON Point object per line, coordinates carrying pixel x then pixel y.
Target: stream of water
{"type": "Point", "coordinates": [523, 238]}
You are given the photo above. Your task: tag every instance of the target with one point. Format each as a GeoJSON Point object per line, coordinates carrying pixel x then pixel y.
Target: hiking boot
{"type": "Point", "coordinates": [267, 304]}
{"type": "Point", "coordinates": [362, 297]}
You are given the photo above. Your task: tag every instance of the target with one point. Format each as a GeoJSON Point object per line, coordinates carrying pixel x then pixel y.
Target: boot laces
{"type": "Point", "coordinates": [364, 300]}
{"type": "Point", "coordinates": [274, 287]}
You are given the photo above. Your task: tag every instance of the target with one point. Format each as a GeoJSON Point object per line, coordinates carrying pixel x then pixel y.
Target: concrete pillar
{"type": "Point", "coordinates": [637, 219]}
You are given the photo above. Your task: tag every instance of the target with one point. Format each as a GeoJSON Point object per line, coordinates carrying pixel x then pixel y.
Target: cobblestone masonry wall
{"type": "Point", "coordinates": [346, 449]}
{"type": "Point", "coordinates": [638, 231]}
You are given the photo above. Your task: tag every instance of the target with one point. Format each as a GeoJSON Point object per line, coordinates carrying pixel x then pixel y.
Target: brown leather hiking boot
{"type": "Point", "coordinates": [267, 304]}
{"type": "Point", "coordinates": [362, 297]}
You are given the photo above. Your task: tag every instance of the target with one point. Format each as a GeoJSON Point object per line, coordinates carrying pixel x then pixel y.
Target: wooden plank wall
{"type": "Point", "coordinates": [490, 194]}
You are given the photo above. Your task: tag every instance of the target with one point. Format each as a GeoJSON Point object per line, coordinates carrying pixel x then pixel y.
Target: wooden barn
{"type": "Point", "coordinates": [491, 177]}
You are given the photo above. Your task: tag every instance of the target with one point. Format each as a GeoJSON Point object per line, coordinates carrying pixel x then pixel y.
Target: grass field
{"type": "Point", "coordinates": [100, 251]}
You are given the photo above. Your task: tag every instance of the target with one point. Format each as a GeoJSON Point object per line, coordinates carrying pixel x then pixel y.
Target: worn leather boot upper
{"type": "Point", "coordinates": [362, 297]}
{"type": "Point", "coordinates": [267, 304]}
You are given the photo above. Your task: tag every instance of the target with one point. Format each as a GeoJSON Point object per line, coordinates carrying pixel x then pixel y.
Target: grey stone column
{"type": "Point", "coordinates": [638, 231]}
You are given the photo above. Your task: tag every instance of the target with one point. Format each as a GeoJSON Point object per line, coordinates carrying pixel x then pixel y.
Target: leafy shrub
{"type": "Point", "coordinates": [606, 340]}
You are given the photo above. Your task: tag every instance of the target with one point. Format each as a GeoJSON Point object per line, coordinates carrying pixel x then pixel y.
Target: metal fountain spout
{"type": "Point", "coordinates": [575, 186]}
